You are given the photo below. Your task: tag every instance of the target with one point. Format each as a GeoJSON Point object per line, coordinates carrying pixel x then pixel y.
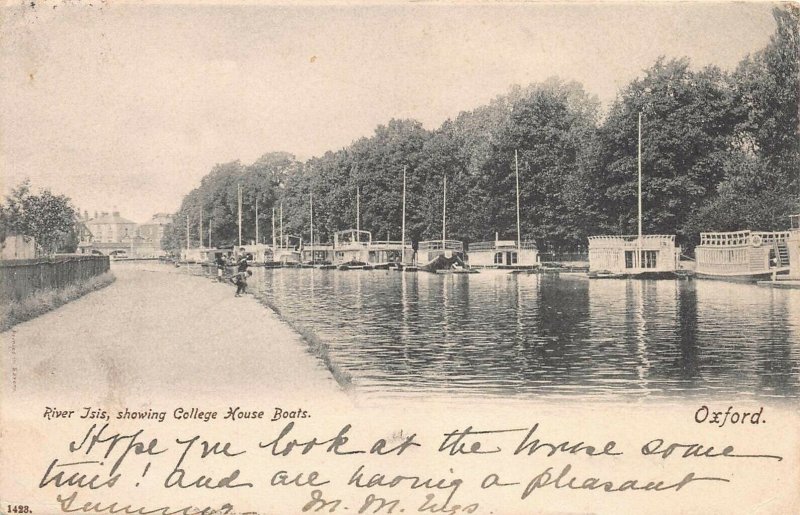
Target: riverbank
{"type": "Point", "coordinates": [159, 331]}
{"type": "Point", "coordinates": [44, 301]}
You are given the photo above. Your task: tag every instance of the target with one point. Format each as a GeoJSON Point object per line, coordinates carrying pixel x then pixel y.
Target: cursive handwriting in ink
{"type": "Point", "coordinates": [92, 439]}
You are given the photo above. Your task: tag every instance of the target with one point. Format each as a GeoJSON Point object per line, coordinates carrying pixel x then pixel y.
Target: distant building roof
{"type": "Point", "coordinates": [113, 218]}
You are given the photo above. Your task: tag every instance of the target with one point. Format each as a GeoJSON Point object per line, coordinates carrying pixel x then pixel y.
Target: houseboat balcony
{"type": "Point", "coordinates": [742, 255]}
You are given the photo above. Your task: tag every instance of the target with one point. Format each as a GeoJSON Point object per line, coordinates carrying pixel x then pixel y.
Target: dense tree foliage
{"type": "Point", "coordinates": [49, 219]}
{"type": "Point", "coordinates": [720, 151]}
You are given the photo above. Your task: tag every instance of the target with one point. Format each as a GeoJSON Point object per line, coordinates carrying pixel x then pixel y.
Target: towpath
{"type": "Point", "coordinates": [160, 333]}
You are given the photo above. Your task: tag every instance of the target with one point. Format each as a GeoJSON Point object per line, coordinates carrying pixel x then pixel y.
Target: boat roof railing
{"type": "Point", "coordinates": [502, 245]}
{"type": "Point", "coordinates": [631, 242]}
{"type": "Point", "coordinates": [352, 237]}
{"type": "Point", "coordinates": [632, 237]}
{"type": "Point", "coordinates": [738, 238]}
{"type": "Point", "coordinates": [442, 245]}
{"type": "Point", "coordinates": [378, 244]}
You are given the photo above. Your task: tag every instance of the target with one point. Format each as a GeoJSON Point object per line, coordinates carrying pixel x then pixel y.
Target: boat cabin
{"type": "Point", "coordinates": [743, 255]}
{"type": "Point", "coordinates": [382, 253]}
{"type": "Point", "coordinates": [503, 254]}
{"type": "Point", "coordinates": [628, 255]}
{"type": "Point", "coordinates": [318, 254]}
{"type": "Point", "coordinates": [351, 246]}
{"type": "Point", "coordinates": [288, 251]}
{"type": "Point", "coordinates": [430, 250]}
{"type": "Point", "coordinates": [256, 254]}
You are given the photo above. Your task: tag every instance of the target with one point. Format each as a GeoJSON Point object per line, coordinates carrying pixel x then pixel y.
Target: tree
{"type": "Point", "coordinates": [687, 124]}
{"type": "Point", "coordinates": [49, 219]}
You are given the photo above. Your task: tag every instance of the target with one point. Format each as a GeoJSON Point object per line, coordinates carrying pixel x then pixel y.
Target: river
{"type": "Point", "coordinates": [533, 335]}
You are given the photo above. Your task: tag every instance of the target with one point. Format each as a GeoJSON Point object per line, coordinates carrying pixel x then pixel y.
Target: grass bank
{"type": "Point", "coordinates": [43, 301]}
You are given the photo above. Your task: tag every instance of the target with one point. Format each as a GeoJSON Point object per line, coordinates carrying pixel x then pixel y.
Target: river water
{"type": "Point", "coordinates": [533, 335]}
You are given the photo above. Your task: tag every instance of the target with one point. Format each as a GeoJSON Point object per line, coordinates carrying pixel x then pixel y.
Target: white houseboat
{"type": "Point", "coordinates": [318, 254]}
{"type": "Point", "coordinates": [647, 256]}
{"type": "Point", "coordinates": [742, 255]}
{"type": "Point", "coordinates": [351, 249]}
{"type": "Point", "coordinates": [287, 253]}
{"type": "Point", "coordinates": [503, 254]}
{"type": "Point", "coordinates": [389, 254]}
{"type": "Point", "coordinates": [442, 256]}
{"type": "Point", "coordinates": [642, 256]}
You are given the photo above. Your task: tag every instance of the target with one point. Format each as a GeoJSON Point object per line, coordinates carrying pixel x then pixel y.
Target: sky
{"type": "Point", "coordinates": [126, 107]}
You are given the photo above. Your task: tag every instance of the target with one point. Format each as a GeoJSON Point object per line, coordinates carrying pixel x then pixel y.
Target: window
{"type": "Point", "coordinates": [498, 258]}
{"type": "Point", "coordinates": [513, 256]}
{"type": "Point", "coordinates": [649, 258]}
{"type": "Point", "coordinates": [629, 258]}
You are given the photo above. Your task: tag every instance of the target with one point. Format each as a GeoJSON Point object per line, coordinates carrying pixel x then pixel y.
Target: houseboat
{"type": "Point", "coordinates": [389, 254]}
{"type": "Point", "coordinates": [318, 255]}
{"type": "Point", "coordinates": [742, 255]}
{"type": "Point", "coordinates": [351, 249]}
{"type": "Point", "coordinates": [503, 254]}
{"type": "Point", "coordinates": [648, 256]}
{"type": "Point", "coordinates": [644, 256]}
{"type": "Point", "coordinates": [287, 252]}
{"type": "Point", "coordinates": [257, 254]}
{"type": "Point", "coordinates": [442, 256]}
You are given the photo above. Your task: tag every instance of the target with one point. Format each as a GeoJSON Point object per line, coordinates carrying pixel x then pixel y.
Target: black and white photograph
{"type": "Point", "coordinates": [399, 257]}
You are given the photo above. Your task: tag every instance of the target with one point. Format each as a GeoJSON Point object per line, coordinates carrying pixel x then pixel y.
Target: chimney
{"type": "Point", "coordinates": [85, 215]}
{"type": "Point", "coordinates": [95, 214]}
{"type": "Point", "coordinates": [115, 213]}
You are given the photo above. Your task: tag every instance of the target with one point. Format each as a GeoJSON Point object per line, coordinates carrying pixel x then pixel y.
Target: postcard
{"type": "Point", "coordinates": [399, 257]}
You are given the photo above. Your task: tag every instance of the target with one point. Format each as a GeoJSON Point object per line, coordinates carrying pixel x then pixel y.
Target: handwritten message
{"type": "Point", "coordinates": [372, 475]}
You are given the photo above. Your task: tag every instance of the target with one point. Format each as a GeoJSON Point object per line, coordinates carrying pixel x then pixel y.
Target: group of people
{"type": "Point", "coordinates": [241, 275]}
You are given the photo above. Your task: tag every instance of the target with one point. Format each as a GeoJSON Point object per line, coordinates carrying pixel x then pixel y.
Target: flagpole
{"type": "Point", "coordinates": [403, 230]}
{"type": "Point", "coordinates": [639, 239]}
{"type": "Point", "coordinates": [239, 188]}
{"type": "Point", "coordinates": [257, 240]}
{"type": "Point", "coordinates": [311, 204]}
{"type": "Point", "coordinates": [444, 212]}
{"type": "Point", "coordinates": [519, 233]}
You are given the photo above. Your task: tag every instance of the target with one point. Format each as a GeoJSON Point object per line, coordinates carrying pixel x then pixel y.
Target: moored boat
{"type": "Point", "coordinates": [746, 256]}
{"type": "Point", "coordinates": [650, 256]}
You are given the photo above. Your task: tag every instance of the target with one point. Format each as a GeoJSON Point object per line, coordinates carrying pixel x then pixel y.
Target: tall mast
{"type": "Point", "coordinates": [257, 240]}
{"type": "Point", "coordinates": [403, 229]}
{"type": "Point", "coordinates": [187, 232]}
{"type": "Point", "coordinates": [239, 189]}
{"type": "Point", "coordinates": [201, 228]}
{"type": "Point", "coordinates": [444, 212]}
{"type": "Point", "coordinates": [209, 234]}
{"type": "Point", "coordinates": [358, 212]}
{"type": "Point", "coordinates": [281, 217]}
{"type": "Point", "coordinates": [639, 238]}
{"type": "Point", "coordinates": [311, 205]}
{"type": "Point", "coordinates": [273, 228]}
{"type": "Point", "coordinates": [519, 234]}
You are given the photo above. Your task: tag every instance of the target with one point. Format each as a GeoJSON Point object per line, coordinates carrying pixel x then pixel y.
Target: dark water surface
{"type": "Point", "coordinates": [528, 335]}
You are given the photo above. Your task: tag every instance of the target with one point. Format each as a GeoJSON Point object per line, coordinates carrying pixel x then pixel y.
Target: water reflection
{"type": "Point", "coordinates": [532, 334]}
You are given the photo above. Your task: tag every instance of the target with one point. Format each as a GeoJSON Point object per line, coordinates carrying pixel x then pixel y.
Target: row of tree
{"type": "Point", "coordinates": [720, 151]}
